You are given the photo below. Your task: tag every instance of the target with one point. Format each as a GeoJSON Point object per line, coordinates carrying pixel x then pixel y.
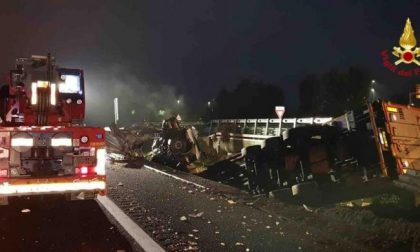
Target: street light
{"type": "Point", "coordinates": [178, 101]}
{"type": "Point", "coordinates": [372, 89]}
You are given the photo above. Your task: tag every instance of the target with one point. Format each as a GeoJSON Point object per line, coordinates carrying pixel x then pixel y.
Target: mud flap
{"type": "Point", "coordinates": [87, 195]}
{"type": "Point", "coordinates": [4, 200]}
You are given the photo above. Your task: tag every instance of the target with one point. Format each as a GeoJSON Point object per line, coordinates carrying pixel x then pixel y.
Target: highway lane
{"type": "Point", "coordinates": [207, 216]}
{"type": "Point", "coordinates": [57, 225]}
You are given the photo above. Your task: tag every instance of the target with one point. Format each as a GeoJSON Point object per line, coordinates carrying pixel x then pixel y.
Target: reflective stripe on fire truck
{"type": "Point", "coordinates": [100, 161]}
{"type": "Point", "coordinates": [8, 189]}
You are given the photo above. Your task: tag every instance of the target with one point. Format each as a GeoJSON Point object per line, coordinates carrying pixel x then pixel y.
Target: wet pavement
{"type": "Point", "coordinates": [58, 225]}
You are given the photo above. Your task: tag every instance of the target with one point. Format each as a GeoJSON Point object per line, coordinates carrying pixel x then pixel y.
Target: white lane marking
{"type": "Point", "coordinates": [141, 237]}
{"type": "Point", "coordinates": [174, 177]}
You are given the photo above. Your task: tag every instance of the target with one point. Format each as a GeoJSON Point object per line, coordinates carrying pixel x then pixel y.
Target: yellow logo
{"type": "Point", "coordinates": [409, 52]}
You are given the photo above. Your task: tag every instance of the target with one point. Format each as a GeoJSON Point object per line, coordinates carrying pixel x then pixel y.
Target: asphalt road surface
{"type": "Point", "coordinates": [183, 212]}
{"type": "Point", "coordinates": [200, 217]}
{"type": "Point", "coordinates": [57, 225]}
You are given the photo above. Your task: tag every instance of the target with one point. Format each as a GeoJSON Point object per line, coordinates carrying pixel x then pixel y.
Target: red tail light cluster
{"type": "Point", "coordinates": [85, 170]}
{"type": "Point", "coordinates": [3, 173]}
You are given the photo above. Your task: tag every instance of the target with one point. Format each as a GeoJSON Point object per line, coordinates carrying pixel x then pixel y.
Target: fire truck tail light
{"type": "Point", "coordinates": [26, 142]}
{"type": "Point", "coordinates": [100, 161]}
{"type": "Point", "coordinates": [34, 97]}
{"type": "Point", "coordinates": [53, 91]}
{"type": "Point", "coordinates": [84, 170]}
{"type": "Point", "coordinates": [3, 173]}
{"type": "Point", "coordinates": [55, 142]}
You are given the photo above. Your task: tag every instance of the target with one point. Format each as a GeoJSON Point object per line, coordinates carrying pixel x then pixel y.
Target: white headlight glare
{"type": "Point", "coordinates": [26, 142]}
{"type": "Point", "coordinates": [100, 161]}
{"type": "Point", "coordinates": [53, 98]}
{"type": "Point", "coordinates": [33, 93]}
{"type": "Point", "coordinates": [55, 142]}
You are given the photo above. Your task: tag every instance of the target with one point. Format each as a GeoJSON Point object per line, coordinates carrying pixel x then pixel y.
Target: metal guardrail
{"type": "Point", "coordinates": [264, 126]}
{"type": "Point", "coordinates": [257, 126]}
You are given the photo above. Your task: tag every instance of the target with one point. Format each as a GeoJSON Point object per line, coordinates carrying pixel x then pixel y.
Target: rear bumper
{"type": "Point", "coordinates": [22, 187]}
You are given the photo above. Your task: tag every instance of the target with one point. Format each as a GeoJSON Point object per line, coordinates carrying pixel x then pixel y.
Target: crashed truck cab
{"type": "Point", "coordinates": [44, 146]}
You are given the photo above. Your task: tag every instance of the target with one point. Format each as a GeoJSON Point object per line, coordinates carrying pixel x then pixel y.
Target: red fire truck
{"type": "Point", "coordinates": [45, 148]}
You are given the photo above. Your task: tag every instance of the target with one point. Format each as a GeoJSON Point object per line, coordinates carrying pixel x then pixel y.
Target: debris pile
{"type": "Point", "coordinates": [126, 144]}
{"type": "Point", "coordinates": [176, 146]}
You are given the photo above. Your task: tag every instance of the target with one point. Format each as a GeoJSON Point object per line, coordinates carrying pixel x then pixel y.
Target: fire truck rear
{"type": "Point", "coordinates": [44, 146]}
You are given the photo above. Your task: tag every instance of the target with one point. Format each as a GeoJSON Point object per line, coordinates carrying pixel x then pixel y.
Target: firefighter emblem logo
{"type": "Point", "coordinates": [407, 63]}
{"type": "Point", "coordinates": [409, 52]}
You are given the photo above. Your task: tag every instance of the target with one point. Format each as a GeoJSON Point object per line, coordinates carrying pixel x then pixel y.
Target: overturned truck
{"type": "Point", "coordinates": [386, 135]}
{"type": "Point", "coordinates": [308, 153]}
{"type": "Point", "coordinates": [379, 139]}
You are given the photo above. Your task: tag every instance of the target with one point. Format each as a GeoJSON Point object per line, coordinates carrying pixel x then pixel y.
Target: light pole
{"type": "Point", "coordinates": [210, 107]}
{"type": "Point", "coordinates": [372, 90]}
{"type": "Point", "coordinates": [410, 98]}
{"type": "Point", "coordinates": [178, 104]}
{"type": "Point", "coordinates": [116, 117]}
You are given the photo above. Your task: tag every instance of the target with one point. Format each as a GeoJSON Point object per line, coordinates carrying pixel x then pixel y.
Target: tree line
{"type": "Point", "coordinates": [328, 94]}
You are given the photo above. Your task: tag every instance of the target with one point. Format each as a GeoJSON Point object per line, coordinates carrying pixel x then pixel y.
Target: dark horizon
{"type": "Point", "coordinates": [152, 52]}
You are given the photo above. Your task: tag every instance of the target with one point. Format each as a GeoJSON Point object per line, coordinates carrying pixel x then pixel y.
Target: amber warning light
{"type": "Point", "coordinates": [392, 109]}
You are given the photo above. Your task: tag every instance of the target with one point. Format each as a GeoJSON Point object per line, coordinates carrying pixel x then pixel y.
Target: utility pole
{"type": "Point", "coordinates": [116, 110]}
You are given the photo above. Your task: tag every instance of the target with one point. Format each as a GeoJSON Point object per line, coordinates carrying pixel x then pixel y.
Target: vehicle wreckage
{"type": "Point", "coordinates": [375, 140]}
{"type": "Point", "coordinates": [277, 163]}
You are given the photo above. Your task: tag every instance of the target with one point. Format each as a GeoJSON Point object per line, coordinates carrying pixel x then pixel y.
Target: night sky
{"type": "Point", "coordinates": [152, 53]}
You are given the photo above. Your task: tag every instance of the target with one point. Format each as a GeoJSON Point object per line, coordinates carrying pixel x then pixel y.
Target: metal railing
{"type": "Point", "coordinates": [265, 126]}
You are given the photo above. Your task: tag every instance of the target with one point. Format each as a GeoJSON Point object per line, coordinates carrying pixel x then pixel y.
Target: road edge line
{"type": "Point", "coordinates": [174, 177]}
{"type": "Point", "coordinates": [138, 234]}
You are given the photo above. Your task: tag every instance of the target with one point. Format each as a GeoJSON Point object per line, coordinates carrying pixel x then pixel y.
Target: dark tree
{"type": "Point", "coordinates": [250, 99]}
{"type": "Point", "coordinates": [309, 94]}
{"type": "Point", "coordinates": [334, 92]}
